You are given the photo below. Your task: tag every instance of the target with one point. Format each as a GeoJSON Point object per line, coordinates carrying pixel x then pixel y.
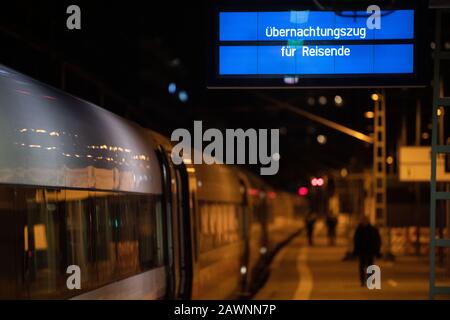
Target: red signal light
{"type": "Point", "coordinates": [303, 191]}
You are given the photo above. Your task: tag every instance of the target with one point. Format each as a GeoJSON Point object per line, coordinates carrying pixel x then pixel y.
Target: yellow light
{"type": "Point", "coordinates": [375, 97]}
{"type": "Point", "coordinates": [323, 100]}
{"type": "Point", "coordinates": [40, 237]}
{"type": "Point", "coordinates": [338, 101]}
{"type": "Point", "coordinates": [344, 173]}
{"type": "Point", "coordinates": [369, 114]}
{"type": "Point", "coordinates": [390, 160]}
{"type": "Point", "coordinates": [439, 112]}
{"type": "Point", "coordinates": [25, 237]}
{"type": "Point", "coordinates": [190, 170]}
{"type": "Point", "coordinates": [321, 139]}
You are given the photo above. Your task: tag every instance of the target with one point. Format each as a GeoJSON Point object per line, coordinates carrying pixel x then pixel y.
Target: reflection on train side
{"type": "Point", "coordinates": [221, 224]}
{"type": "Point", "coordinates": [111, 236]}
{"type": "Point", "coordinates": [48, 140]}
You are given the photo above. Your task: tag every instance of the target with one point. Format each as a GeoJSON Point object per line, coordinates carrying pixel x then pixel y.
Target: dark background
{"type": "Point", "coordinates": [128, 52]}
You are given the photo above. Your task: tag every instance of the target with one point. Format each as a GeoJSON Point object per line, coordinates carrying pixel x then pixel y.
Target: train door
{"type": "Point", "coordinates": [185, 232]}
{"type": "Point", "coordinates": [172, 224]}
{"type": "Point", "coordinates": [178, 256]}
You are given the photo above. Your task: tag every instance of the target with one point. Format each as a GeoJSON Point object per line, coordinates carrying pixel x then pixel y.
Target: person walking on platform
{"type": "Point", "coordinates": [331, 228]}
{"type": "Point", "coordinates": [367, 245]}
{"type": "Point", "coordinates": [310, 222]}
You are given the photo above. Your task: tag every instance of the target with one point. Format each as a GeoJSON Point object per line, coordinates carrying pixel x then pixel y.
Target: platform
{"type": "Point", "coordinates": [300, 272]}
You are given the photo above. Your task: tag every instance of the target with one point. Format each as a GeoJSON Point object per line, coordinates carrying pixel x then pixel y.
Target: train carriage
{"type": "Point", "coordinates": [81, 186]}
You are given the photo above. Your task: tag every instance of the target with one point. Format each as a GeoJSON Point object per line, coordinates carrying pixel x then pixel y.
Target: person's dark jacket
{"type": "Point", "coordinates": [367, 241]}
{"type": "Point", "coordinates": [310, 221]}
{"type": "Point", "coordinates": [331, 222]}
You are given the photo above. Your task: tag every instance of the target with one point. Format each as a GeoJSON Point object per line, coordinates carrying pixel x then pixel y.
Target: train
{"type": "Point", "coordinates": [81, 186]}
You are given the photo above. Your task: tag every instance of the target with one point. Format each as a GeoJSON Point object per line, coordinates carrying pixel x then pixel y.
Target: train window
{"type": "Point", "coordinates": [150, 241]}
{"type": "Point", "coordinates": [42, 241]}
{"type": "Point", "coordinates": [103, 225]}
{"type": "Point", "coordinates": [108, 235]}
{"type": "Point", "coordinates": [220, 224]}
{"type": "Point", "coordinates": [79, 233]}
{"type": "Point", "coordinates": [127, 243]}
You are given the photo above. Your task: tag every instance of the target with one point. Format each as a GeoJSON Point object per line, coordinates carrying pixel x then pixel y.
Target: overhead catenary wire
{"type": "Point", "coordinates": [323, 121]}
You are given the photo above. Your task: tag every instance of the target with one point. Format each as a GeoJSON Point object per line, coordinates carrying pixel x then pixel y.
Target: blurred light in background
{"type": "Point", "coordinates": [291, 80]}
{"type": "Point", "coordinates": [183, 96]}
{"type": "Point", "coordinates": [323, 100]}
{"type": "Point", "coordinates": [311, 101]}
{"type": "Point", "coordinates": [303, 191]}
{"type": "Point", "coordinates": [375, 97]}
{"type": "Point", "coordinates": [390, 160]}
{"type": "Point", "coordinates": [338, 101]}
{"type": "Point", "coordinates": [175, 63]}
{"type": "Point", "coordinates": [243, 270]}
{"type": "Point", "coordinates": [172, 88]}
{"type": "Point", "coordinates": [344, 172]}
{"type": "Point", "coordinates": [321, 139]}
{"type": "Point", "coordinates": [369, 114]}
{"type": "Point", "coordinates": [317, 182]}
{"type": "Point", "coordinates": [320, 182]}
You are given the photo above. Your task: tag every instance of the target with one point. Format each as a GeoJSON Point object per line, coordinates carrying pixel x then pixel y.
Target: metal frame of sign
{"type": "Point", "coordinates": [418, 78]}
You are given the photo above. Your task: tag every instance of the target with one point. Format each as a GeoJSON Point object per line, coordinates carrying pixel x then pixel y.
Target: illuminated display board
{"type": "Point", "coordinates": [256, 45]}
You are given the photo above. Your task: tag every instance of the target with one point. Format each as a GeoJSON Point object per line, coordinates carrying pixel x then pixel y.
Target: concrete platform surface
{"type": "Point", "coordinates": [300, 272]}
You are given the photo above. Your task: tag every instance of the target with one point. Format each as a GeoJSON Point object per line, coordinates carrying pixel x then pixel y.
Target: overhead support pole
{"type": "Point", "coordinates": [380, 173]}
{"type": "Point", "coordinates": [437, 146]}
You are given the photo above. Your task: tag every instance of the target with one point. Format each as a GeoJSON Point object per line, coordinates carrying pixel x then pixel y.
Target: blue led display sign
{"type": "Point", "coordinates": [308, 47]}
